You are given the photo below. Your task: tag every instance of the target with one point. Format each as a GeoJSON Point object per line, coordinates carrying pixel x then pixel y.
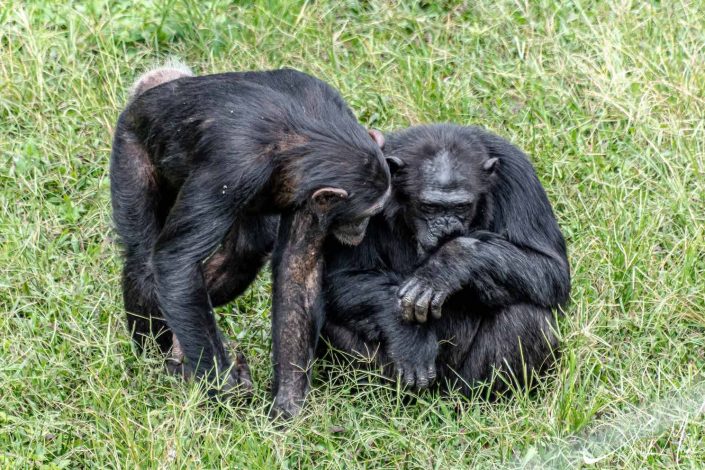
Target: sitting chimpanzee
{"type": "Point", "coordinates": [458, 276]}
{"type": "Point", "coordinates": [202, 171]}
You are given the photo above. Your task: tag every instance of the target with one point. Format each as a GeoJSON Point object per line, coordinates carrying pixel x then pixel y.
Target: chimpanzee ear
{"type": "Point", "coordinates": [377, 136]}
{"type": "Point", "coordinates": [395, 163]}
{"type": "Point", "coordinates": [490, 166]}
{"type": "Point", "coordinates": [326, 198]}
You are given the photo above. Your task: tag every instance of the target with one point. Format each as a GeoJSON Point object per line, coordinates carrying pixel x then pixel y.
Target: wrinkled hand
{"type": "Point", "coordinates": [421, 295]}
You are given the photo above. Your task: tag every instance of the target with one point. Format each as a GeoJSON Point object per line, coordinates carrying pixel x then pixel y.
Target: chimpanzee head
{"type": "Point", "coordinates": [440, 175]}
{"type": "Point", "coordinates": [349, 185]}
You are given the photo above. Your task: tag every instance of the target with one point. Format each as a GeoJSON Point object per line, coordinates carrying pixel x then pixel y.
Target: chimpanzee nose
{"type": "Point", "coordinates": [449, 226]}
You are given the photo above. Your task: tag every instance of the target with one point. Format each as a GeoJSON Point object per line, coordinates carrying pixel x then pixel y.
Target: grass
{"type": "Point", "coordinates": [607, 97]}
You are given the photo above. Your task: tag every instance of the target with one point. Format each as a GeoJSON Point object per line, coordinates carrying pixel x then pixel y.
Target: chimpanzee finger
{"type": "Point", "coordinates": [431, 373]}
{"type": "Point", "coordinates": [421, 306]}
{"type": "Point", "coordinates": [405, 374]}
{"type": "Point", "coordinates": [422, 379]}
{"type": "Point", "coordinates": [408, 285]}
{"type": "Point", "coordinates": [407, 303]}
{"type": "Point", "coordinates": [437, 304]}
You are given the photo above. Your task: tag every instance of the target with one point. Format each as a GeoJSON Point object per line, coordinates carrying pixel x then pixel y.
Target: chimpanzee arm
{"type": "Point", "coordinates": [495, 271]}
{"type": "Point", "coordinates": [297, 311]}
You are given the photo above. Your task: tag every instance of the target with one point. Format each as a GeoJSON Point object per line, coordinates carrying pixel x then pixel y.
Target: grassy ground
{"type": "Point", "coordinates": [607, 97]}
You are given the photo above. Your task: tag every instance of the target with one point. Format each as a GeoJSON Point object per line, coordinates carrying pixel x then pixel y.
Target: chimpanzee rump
{"type": "Point", "coordinates": [201, 169]}
{"type": "Point", "coordinates": [457, 277]}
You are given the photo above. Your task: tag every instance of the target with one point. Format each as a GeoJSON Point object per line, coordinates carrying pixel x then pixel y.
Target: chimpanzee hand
{"type": "Point", "coordinates": [440, 276]}
{"type": "Point", "coordinates": [422, 293]}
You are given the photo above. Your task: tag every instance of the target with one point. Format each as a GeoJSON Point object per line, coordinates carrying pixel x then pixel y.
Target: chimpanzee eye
{"type": "Point", "coordinates": [429, 207]}
{"type": "Point", "coordinates": [464, 207]}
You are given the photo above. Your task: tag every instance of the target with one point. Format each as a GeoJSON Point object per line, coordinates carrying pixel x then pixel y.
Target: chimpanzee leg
{"type": "Point", "coordinates": [138, 208]}
{"type": "Point", "coordinates": [144, 319]}
{"type": "Point", "coordinates": [228, 272]}
{"type": "Point", "coordinates": [364, 318]}
{"type": "Point", "coordinates": [517, 343]}
{"type": "Point", "coordinates": [197, 223]}
{"type": "Point", "coordinates": [244, 251]}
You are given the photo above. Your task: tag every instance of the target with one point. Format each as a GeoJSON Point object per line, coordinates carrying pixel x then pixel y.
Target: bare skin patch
{"type": "Point", "coordinates": [214, 266]}
{"type": "Point", "coordinates": [138, 160]}
{"type": "Point", "coordinates": [445, 197]}
{"type": "Point", "coordinates": [290, 141]}
{"type": "Point", "coordinates": [157, 77]}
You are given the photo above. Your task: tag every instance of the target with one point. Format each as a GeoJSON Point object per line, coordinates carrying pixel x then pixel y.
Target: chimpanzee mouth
{"type": "Point", "coordinates": [350, 240]}
{"type": "Point", "coordinates": [431, 242]}
{"type": "Point", "coordinates": [351, 234]}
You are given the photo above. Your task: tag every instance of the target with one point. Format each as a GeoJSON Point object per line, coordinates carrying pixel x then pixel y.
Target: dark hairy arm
{"type": "Point", "coordinates": [493, 270]}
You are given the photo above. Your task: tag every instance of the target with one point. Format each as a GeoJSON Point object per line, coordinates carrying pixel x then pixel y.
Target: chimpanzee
{"type": "Point", "coordinates": [456, 279]}
{"type": "Point", "coordinates": [203, 170]}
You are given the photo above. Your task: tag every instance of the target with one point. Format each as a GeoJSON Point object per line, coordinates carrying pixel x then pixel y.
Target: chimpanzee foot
{"type": "Point", "coordinates": [285, 407]}
{"type": "Point", "coordinates": [414, 358]}
{"type": "Point", "coordinates": [176, 361]}
{"type": "Point", "coordinates": [416, 376]}
{"type": "Point", "coordinates": [237, 384]}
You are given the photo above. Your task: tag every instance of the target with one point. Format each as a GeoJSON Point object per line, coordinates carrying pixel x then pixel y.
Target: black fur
{"type": "Point", "coordinates": [461, 283]}
{"type": "Point", "coordinates": [205, 162]}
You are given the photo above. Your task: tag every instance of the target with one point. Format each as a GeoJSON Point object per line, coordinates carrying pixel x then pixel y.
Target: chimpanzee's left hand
{"type": "Point", "coordinates": [425, 292]}
{"type": "Point", "coordinates": [444, 273]}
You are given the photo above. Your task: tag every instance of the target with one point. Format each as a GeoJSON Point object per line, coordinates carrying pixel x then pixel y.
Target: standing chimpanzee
{"type": "Point", "coordinates": [201, 169]}
{"type": "Point", "coordinates": [457, 277]}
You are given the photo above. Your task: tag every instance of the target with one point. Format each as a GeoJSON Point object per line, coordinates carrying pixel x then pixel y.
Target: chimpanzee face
{"type": "Point", "coordinates": [352, 232]}
{"type": "Point", "coordinates": [441, 186]}
{"type": "Point", "coordinates": [445, 201]}
{"type": "Point", "coordinates": [346, 209]}
{"type": "Point", "coordinates": [350, 228]}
